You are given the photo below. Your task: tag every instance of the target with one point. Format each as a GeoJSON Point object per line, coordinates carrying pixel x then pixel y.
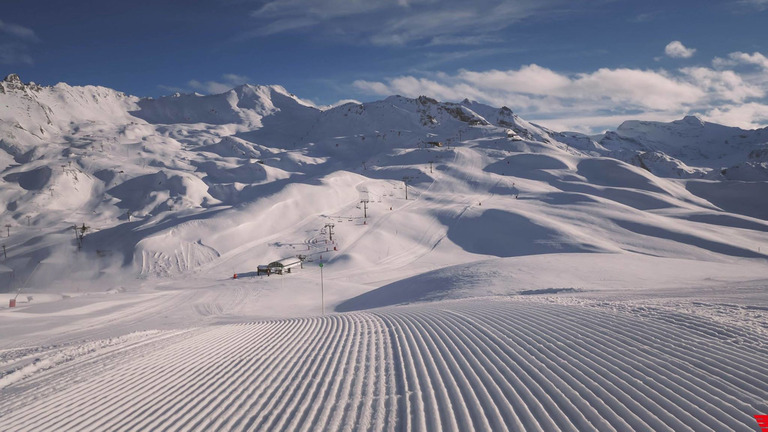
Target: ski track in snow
{"type": "Point", "coordinates": [491, 364]}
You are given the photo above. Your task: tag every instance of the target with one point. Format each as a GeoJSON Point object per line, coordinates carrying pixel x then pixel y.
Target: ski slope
{"type": "Point", "coordinates": [529, 280]}
{"type": "Point", "coordinates": [495, 364]}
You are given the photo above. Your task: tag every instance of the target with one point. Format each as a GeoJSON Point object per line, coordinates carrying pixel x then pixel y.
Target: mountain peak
{"type": "Point", "coordinates": [14, 82]}
{"type": "Point", "coordinates": [425, 100]}
{"type": "Point", "coordinates": [692, 120]}
{"type": "Point", "coordinates": [12, 78]}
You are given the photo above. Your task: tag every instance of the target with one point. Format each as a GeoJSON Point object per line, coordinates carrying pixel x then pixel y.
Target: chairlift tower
{"type": "Point", "coordinates": [329, 227]}
{"type": "Point", "coordinates": [80, 234]}
{"type": "Point", "coordinates": [365, 202]}
{"type": "Point", "coordinates": [406, 179]}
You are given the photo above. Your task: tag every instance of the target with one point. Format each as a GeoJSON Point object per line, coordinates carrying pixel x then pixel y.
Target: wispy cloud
{"type": "Point", "coordinates": [676, 49]}
{"type": "Point", "coordinates": [18, 31]}
{"type": "Point", "coordinates": [390, 23]}
{"type": "Point", "coordinates": [338, 103]}
{"type": "Point", "coordinates": [585, 100]}
{"type": "Point", "coordinates": [213, 87]}
{"type": "Point", "coordinates": [645, 17]}
{"type": "Point", "coordinates": [433, 58]}
{"type": "Point", "coordinates": [174, 89]}
{"type": "Point", "coordinates": [760, 5]}
{"type": "Point", "coordinates": [15, 43]}
{"type": "Point", "coordinates": [468, 40]}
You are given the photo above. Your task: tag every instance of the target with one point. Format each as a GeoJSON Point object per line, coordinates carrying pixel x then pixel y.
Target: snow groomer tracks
{"type": "Point", "coordinates": [466, 365]}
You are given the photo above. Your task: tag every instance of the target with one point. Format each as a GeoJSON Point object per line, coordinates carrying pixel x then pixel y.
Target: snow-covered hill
{"type": "Point", "coordinates": [209, 174]}
{"type": "Point", "coordinates": [556, 281]}
{"type": "Point", "coordinates": [692, 148]}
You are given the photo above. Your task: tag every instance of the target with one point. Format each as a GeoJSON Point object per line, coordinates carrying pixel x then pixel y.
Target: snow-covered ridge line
{"type": "Point", "coordinates": [157, 182]}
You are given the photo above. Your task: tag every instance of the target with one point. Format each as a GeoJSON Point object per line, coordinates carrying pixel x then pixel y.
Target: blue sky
{"type": "Point", "coordinates": [578, 65]}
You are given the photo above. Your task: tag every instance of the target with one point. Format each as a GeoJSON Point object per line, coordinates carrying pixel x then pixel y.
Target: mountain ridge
{"type": "Point", "coordinates": [180, 184]}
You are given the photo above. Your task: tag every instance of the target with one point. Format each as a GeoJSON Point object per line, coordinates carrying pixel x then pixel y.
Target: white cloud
{"type": "Point", "coordinates": [587, 100]}
{"type": "Point", "coordinates": [741, 58]}
{"type": "Point", "coordinates": [173, 89]}
{"type": "Point", "coordinates": [747, 116]}
{"type": "Point", "coordinates": [676, 49]}
{"type": "Point", "coordinates": [322, 9]}
{"type": "Point", "coordinates": [283, 25]}
{"type": "Point", "coordinates": [421, 60]}
{"type": "Point", "coordinates": [591, 123]}
{"type": "Point", "coordinates": [388, 22]}
{"type": "Point", "coordinates": [755, 58]}
{"type": "Point", "coordinates": [279, 16]}
{"type": "Point", "coordinates": [375, 88]}
{"type": "Point", "coordinates": [465, 40]}
{"type": "Point", "coordinates": [531, 79]}
{"type": "Point", "coordinates": [339, 103]}
{"type": "Point", "coordinates": [645, 17]}
{"type": "Point", "coordinates": [542, 89]}
{"type": "Point", "coordinates": [14, 43]}
{"type": "Point", "coordinates": [215, 87]}
{"type": "Point", "coordinates": [760, 5]}
{"type": "Point", "coordinates": [637, 89]}
{"type": "Point", "coordinates": [235, 79]}
{"type": "Point", "coordinates": [722, 85]}
{"type": "Point", "coordinates": [18, 31]}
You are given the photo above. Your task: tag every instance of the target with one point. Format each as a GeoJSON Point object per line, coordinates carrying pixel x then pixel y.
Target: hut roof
{"type": "Point", "coordinates": [289, 261]}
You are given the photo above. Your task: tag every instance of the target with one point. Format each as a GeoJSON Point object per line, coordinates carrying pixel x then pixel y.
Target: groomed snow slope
{"type": "Point", "coordinates": [494, 364]}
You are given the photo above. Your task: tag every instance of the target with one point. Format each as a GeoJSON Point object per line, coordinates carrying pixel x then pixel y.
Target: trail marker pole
{"type": "Point", "coordinates": [322, 292]}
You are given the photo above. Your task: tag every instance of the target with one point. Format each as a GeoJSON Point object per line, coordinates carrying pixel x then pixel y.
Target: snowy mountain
{"type": "Point", "coordinates": [692, 148]}
{"type": "Point", "coordinates": [461, 268]}
{"type": "Point", "coordinates": [174, 185]}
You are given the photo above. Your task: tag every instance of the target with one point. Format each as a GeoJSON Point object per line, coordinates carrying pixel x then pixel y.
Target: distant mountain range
{"type": "Point", "coordinates": [123, 164]}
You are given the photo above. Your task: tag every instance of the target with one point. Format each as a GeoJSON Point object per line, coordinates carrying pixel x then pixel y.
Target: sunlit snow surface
{"type": "Point", "coordinates": [533, 280]}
